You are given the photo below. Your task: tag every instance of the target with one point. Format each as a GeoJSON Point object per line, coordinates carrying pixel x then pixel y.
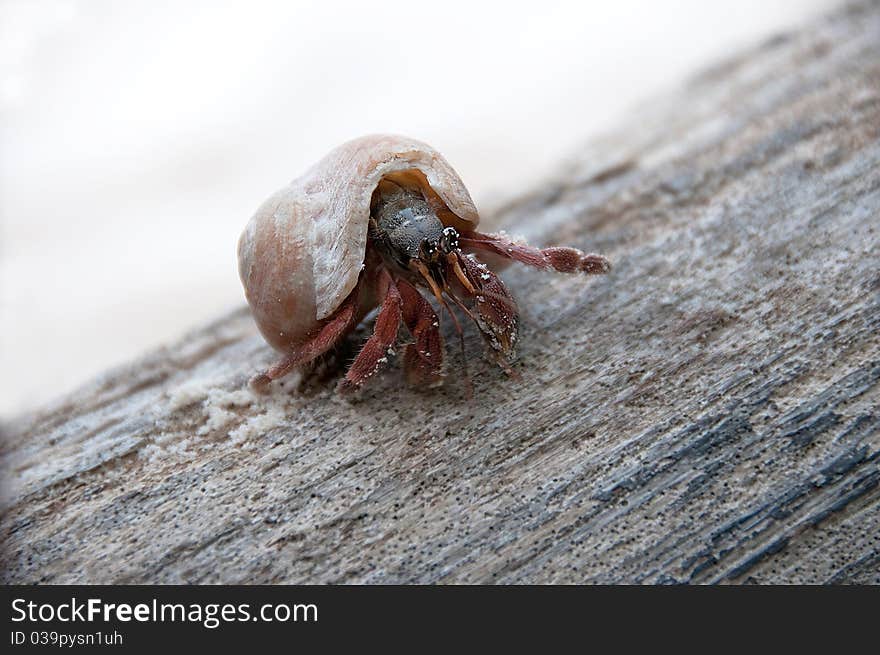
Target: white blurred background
{"type": "Point", "coordinates": [138, 137]}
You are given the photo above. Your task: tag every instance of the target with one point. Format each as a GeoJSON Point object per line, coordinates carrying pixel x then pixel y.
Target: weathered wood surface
{"type": "Point", "coordinates": [706, 413]}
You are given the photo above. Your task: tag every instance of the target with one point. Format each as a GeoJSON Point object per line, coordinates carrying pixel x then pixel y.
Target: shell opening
{"type": "Point", "coordinates": [414, 178]}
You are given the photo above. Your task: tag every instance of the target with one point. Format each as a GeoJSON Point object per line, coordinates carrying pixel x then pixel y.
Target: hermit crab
{"type": "Point", "coordinates": [382, 221]}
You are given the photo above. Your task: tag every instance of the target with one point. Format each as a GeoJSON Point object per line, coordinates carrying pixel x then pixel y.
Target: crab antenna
{"type": "Point", "coordinates": [438, 294]}
{"type": "Point", "coordinates": [426, 274]}
{"type": "Point", "coordinates": [452, 259]}
{"type": "Point", "coordinates": [467, 312]}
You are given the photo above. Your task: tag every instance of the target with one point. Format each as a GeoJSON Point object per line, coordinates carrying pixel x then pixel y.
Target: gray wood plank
{"type": "Point", "coordinates": [706, 413]}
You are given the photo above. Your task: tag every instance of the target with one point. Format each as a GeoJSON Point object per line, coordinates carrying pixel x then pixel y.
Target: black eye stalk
{"type": "Point", "coordinates": [448, 241]}
{"type": "Point", "coordinates": [427, 251]}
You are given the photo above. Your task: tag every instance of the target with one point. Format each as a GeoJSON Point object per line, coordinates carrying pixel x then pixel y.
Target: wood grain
{"type": "Point", "coordinates": [708, 412]}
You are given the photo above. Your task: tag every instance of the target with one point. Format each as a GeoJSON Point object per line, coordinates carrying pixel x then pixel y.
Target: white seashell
{"type": "Point", "coordinates": [301, 254]}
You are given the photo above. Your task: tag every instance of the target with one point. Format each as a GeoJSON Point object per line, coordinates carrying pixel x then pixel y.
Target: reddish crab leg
{"type": "Point", "coordinates": [558, 258]}
{"type": "Point", "coordinates": [423, 359]}
{"type": "Point", "coordinates": [332, 331]}
{"type": "Point", "coordinates": [374, 354]}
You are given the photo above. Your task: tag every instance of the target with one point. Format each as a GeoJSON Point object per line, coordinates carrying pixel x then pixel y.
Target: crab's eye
{"type": "Point", "coordinates": [427, 250]}
{"type": "Point", "coordinates": [449, 240]}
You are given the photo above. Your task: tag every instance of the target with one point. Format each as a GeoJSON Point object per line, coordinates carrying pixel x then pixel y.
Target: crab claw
{"type": "Point", "coordinates": [495, 311]}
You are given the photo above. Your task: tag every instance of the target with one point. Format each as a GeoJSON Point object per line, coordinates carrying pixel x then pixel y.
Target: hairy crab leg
{"type": "Point", "coordinates": [423, 359]}
{"type": "Point", "coordinates": [374, 353]}
{"type": "Point", "coordinates": [331, 333]}
{"type": "Point", "coordinates": [556, 258]}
